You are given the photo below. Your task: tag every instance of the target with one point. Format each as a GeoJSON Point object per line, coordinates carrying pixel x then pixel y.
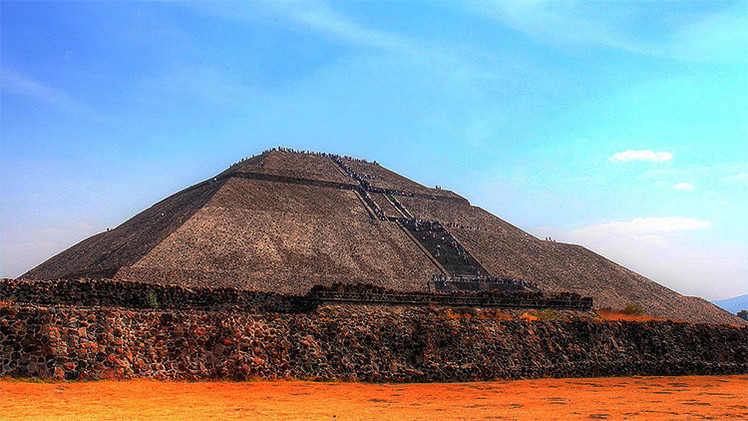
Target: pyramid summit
{"type": "Point", "coordinates": [285, 221]}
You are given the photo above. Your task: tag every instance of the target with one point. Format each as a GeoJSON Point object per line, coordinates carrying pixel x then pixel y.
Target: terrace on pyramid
{"type": "Point", "coordinates": [298, 264]}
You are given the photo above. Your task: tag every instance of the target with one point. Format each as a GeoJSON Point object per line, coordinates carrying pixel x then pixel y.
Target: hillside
{"type": "Point", "coordinates": [734, 304]}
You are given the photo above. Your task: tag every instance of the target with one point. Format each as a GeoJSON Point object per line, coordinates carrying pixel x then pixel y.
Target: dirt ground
{"type": "Point", "coordinates": [650, 398]}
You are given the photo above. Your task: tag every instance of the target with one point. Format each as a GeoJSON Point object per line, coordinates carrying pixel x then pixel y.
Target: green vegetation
{"type": "Point", "coordinates": [547, 315]}
{"type": "Point", "coordinates": [151, 300]}
{"type": "Point", "coordinates": [9, 304]}
{"type": "Point", "coordinates": [743, 314]}
{"type": "Point", "coordinates": [632, 308]}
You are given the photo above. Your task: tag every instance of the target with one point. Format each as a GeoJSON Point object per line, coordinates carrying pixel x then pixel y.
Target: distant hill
{"type": "Point", "coordinates": [285, 221]}
{"type": "Point", "coordinates": [734, 304]}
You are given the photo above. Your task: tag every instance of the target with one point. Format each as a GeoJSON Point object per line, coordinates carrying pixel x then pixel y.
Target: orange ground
{"type": "Point", "coordinates": [693, 397]}
{"type": "Point", "coordinates": [617, 315]}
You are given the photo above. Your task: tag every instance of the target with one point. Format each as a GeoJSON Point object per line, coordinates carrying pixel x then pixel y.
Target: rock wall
{"type": "Point", "coordinates": [130, 294]}
{"type": "Point", "coordinates": [344, 342]}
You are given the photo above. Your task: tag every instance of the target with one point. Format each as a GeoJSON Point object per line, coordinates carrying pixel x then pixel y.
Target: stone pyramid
{"type": "Point", "coordinates": [284, 221]}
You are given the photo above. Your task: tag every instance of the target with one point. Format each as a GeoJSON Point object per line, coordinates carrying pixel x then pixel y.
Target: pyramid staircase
{"type": "Point", "coordinates": [445, 248]}
{"type": "Point", "coordinates": [440, 246]}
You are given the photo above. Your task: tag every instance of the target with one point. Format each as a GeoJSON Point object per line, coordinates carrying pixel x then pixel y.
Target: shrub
{"type": "Point", "coordinates": [151, 300]}
{"type": "Point", "coordinates": [547, 315]}
{"type": "Point", "coordinates": [9, 304]}
{"type": "Point", "coordinates": [494, 314]}
{"type": "Point", "coordinates": [632, 308]}
{"type": "Point", "coordinates": [743, 314]}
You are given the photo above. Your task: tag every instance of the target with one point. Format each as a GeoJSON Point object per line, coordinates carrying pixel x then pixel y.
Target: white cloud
{"type": "Point", "coordinates": [555, 22]}
{"type": "Point", "coordinates": [720, 37]}
{"type": "Point", "coordinates": [23, 248]}
{"type": "Point", "coordinates": [18, 84]}
{"type": "Point", "coordinates": [740, 178]}
{"type": "Point", "coordinates": [682, 35]}
{"type": "Point", "coordinates": [665, 250]}
{"type": "Point", "coordinates": [22, 85]}
{"type": "Point", "coordinates": [472, 70]}
{"type": "Point", "coordinates": [683, 186]}
{"type": "Point", "coordinates": [640, 227]}
{"type": "Point", "coordinates": [315, 15]}
{"type": "Point", "coordinates": [321, 17]}
{"type": "Point", "coordinates": [643, 155]}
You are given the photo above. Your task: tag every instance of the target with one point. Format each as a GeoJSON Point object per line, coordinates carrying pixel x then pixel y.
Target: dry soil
{"type": "Point", "coordinates": [650, 398]}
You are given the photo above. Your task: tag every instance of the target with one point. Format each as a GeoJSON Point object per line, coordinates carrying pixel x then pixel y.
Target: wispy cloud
{"type": "Point", "coordinates": [315, 15]}
{"type": "Point", "coordinates": [667, 250]}
{"type": "Point", "coordinates": [683, 186]}
{"type": "Point", "coordinates": [464, 66]}
{"type": "Point", "coordinates": [555, 22]}
{"type": "Point", "coordinates": [721, 35]}
{"type": "Point", "coordinates": [741, 178]}
{"type": "Point", "coordinates": [641, 226]}
{"type": "Point", "coordinates": [23, 248]}
{"type": "Point", "coordinates": [320, 16]}
{"type": "Point", "coordinates": [18, 84]}
{"type": "Point", "coordinates": [642, 155]}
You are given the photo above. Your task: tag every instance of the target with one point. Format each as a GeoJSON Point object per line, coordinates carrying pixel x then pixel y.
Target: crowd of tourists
{"type": "Point", "coordinates": [341, 161]}
{"type": "Point", "coordinates": [322, 154]}
{"type": "Point", "coordinates": [373, 205]}
{"type": "Point", "coordinates": [505, 281]}
{"type": "Point", "coordinates": [469, 227]}
{"type": "Point", "coordinates": [434, 230]}
{"type": "Point", "coordinates": [362, 179]}
{"type": "Point", "coordinates": [310, 153]}
{"type": "Point", "coordinates": [366, 186]}
{"type": "Point", "coordinates": [439, 279]}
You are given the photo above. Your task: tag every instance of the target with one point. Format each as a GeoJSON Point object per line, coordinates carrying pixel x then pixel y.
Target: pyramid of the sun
{"type": "Point", "coordinates": [284, 221]}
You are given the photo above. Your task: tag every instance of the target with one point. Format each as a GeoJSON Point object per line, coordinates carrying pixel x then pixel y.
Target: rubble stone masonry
{"type": "Point", "coordinates": [370, 343]}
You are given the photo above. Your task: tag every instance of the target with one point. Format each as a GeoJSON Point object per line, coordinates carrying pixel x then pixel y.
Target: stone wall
{"type": "Point", "coordinates": [344, 342]}
{"type": "Point", "coordinates": [130, 294]}
{"type": "Point", "coordinates": [366, 293]}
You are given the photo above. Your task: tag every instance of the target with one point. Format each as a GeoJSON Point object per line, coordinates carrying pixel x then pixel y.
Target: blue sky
{"type": "Point", "coordinates": [621, 126]}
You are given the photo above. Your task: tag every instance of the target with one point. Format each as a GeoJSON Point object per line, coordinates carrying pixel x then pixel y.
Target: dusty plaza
{"type": "Point", "coordinates": [625, 398]}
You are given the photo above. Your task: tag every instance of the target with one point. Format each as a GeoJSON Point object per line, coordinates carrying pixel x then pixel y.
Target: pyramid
{"type": "Point", "coordinates": [284, 221]}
